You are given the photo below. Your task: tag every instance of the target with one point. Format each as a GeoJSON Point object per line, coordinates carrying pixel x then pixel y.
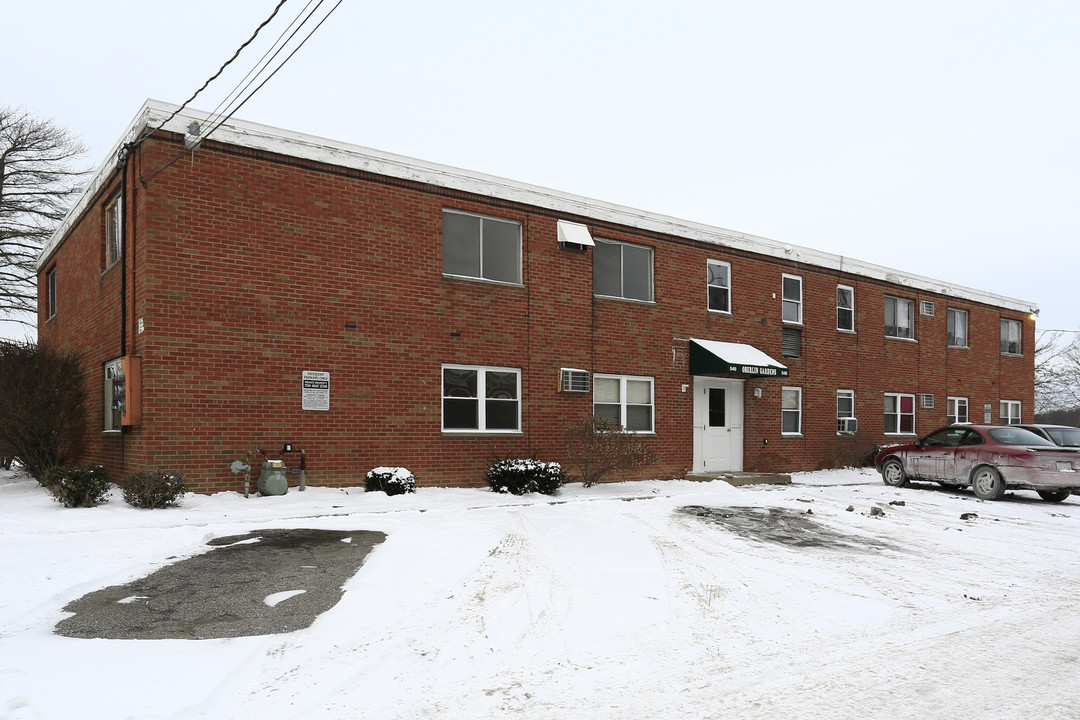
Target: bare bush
{"type": "Point", "coordinates": [43, 423]}
{"type": "Point", "coordinates": [598, 448]}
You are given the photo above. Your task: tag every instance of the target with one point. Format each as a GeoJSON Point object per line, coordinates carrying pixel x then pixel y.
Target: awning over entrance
{"type": "Point", "coordinates": [709, 357]}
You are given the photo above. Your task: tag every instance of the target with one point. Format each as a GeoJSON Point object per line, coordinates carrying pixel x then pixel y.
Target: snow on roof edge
{"type": "Point", "coordinates": [291, 143]}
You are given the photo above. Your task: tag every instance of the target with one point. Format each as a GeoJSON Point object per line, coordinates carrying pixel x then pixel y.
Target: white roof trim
{"type": "Point", "coordinates": [572, 232]}
{"type": "Point", "coordinates": [333, 152]}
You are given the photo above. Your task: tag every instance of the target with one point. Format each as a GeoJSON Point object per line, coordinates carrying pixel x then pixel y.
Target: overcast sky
{"type": "Point", "coordinates": [939, 138]}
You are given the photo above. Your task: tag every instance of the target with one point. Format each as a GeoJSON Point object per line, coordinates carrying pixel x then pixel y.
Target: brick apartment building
{"type": "Point", "coordinates": [264, 287]}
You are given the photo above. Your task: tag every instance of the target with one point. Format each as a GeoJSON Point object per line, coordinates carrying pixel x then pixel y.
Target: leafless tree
{"type": "Point", "coordinates": [38, 182]}
{"type": "Point", "coordinates": [1057, 371]}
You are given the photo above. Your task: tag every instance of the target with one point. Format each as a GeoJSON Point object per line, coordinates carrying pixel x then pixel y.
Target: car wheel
{"type": "Point", "coordinates": [1054, 495]}
{"type": "Point", "coordinates": [987, 483]}
{"type": "Point", "coordinates": [892, 472]}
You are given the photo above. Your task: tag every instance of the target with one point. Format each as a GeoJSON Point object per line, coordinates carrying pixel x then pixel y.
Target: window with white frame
{"type": "Point", "coordinates": [1010, 336]}
{"type": "Point", "coordinates": [1010, 412]}
{"type": "Point", "coordinates": [958, 410]}
{"type": "Point", "coordinates": [792, 291]}
{"type": "Point", "coordinates": [845, 308]}
{"type": "Point", "coordinates": [624, 400]}
{"type": "Point", "coordinates": [113, 231]}
{"type": "Point", "coordinates": [50, 293]}
{"type": "Point", "coordinates": [481, 399]}
{"type": "Point", "coordinates": [957, 328]}
{"type": "Point", "coordinates": [791, 411]}
{"type": "Point", "coordinates": [623, 270]}
{"type": "Point", "coordinates": [845, 409]}
{"type": "Point", "coordinates": [719, 286]}
{"type": "Point", "coordinates": [480, 247]}
{"type": "Point", "coordinates": [899, 414]}
{"type": "Point", "coordinates": [899, 317]}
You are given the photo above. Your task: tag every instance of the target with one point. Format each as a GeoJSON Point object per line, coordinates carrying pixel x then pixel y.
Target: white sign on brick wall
{"type": "Point", "coordinates": [316, 390]}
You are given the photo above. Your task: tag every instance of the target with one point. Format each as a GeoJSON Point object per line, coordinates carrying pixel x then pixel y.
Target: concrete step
{"type": "Point", "coordinates": [742, 478]}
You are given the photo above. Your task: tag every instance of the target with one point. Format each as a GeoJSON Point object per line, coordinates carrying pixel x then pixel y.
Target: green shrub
{"type": "Point", "coordinates": [520, 476]}
{"type": "Point", "coordinates": [83, 486]}
{"type": "Point", "coordinates": [391, 480]}
{"type": "Point", "coordinates": [154, 488]}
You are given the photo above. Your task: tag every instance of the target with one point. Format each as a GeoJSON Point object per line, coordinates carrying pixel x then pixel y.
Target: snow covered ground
{"type": "Point", "coordinates": [606, 602]}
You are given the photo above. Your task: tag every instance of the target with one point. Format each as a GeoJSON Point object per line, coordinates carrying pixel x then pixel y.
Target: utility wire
{"type": "Point", "coordinates": [223, 119]}
{"type": "Point", "coordinates": [215, 76]}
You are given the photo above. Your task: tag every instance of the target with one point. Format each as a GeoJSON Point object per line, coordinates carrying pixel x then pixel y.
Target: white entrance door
{"type": "Point", "coordinates": [718, 425]}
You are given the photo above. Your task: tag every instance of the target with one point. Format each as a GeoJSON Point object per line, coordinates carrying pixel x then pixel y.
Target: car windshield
{"type": "Point", "coordinates": [1017, 436]}
{"type": "Point", "coordinates": [1064, 436]}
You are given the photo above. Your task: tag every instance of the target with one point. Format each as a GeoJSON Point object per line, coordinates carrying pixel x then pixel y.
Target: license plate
{"type": "Point", "coordinates": [1064, 466]}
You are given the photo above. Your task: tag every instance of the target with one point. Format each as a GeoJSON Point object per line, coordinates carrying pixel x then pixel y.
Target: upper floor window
{"type": "Point", "coordinates": [481, 399]}
{"type": "Point", "coordinates": [899, 414]}
{"type": "Point", "coordinates": [957, 328]}
{"type": "Point", "coordinates": [624, 400]}
{"type": "Point", "coordinates": [481, 247]}
{"type": "Point", "coordinates": [958, 410]}
{"type": "Point", "coordinates": [792, 290]}
{"type": "Point", "coordinates": [1010, 412]}
{"type": "Point", "coordinates": [791, 411]}
{"type": "Point", "coordinates": [899, 317]}
{"type": "Point", "coordinates": [845, 308]}
{"type": "Point", "coordinates": [1010, 336]}
{"type": "Point", "coordinates": [50, 293]}
{"type": "Point", "coordinates": [113, 231]}
{"type": "Point", "coordinates": [719, 286]}
{"type": "Point", "coordinates": [622, 270]}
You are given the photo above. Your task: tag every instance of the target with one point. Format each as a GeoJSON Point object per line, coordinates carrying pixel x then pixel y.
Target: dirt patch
{"type": "Point", "coordinates": [777, 525]}
{"type": "Point", "coordinates": [260, 583]}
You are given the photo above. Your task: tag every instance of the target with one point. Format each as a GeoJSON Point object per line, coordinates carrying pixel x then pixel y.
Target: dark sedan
{"type": "Point", "coordinates": [1063, 435]}
{"type": "Point", "coordinates": [989, 458]}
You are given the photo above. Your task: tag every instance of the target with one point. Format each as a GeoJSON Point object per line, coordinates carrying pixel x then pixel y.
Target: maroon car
{"type": "Point", "coordinates": [989, 458]}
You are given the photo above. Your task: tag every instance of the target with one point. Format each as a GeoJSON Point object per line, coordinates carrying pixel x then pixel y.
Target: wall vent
{"type": "Point", "coordinates": [927, 400]}
{"type": "Point", "coordinates": [926, 308]}
{"type": "Point", "coordinates": [572, 380]}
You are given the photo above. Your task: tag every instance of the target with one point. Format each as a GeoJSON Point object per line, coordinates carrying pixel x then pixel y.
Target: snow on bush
{"type": "Point", "coordinates": [521, 476]}
{"type": "Point", "coordinates": [83, 486]}
{"type": "Point", "coordinates": [391, 480]}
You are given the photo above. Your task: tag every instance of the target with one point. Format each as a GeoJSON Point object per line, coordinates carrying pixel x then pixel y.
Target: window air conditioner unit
{"type": "Point", "coordinates": [848, 426]}
{"type": "Point", "coordinates": [572, 380]}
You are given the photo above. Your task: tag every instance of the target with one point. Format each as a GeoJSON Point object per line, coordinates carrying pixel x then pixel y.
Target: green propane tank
{"type": "Point", "coordinates": [272, 479]}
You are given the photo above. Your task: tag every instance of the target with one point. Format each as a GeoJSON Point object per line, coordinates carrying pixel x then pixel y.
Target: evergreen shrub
{"type": "Point", "coordinates": [519, 476]}
{"type": "Point", "coordinates": [83, 486]}
{"type": "Point", "coordinates": [391, 480]}
{"type": "Point", "coordinates": [155, 488]}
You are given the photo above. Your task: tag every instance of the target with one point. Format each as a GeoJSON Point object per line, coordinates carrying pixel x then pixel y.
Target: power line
{"type": "Point", "coordinates": [215, 76]}
{"type": "Point", "coordinates": [223, 119]}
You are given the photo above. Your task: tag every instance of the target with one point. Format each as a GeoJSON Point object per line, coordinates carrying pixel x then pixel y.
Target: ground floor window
{"type": "Point", "coordinates": [899, 414]}
{"type": "Point", "coordinates": [958, 410]}
{"type": "Point", "coordinates": [845, 411]}
{"type": "Point", "coordinates": [1010, 412]}
{"type": "Point", "coordinates": [481, 399]}
{"type": "Point", "coordinates": [791, 411]}
{"type": "Point", "coordinates": [624, 400]}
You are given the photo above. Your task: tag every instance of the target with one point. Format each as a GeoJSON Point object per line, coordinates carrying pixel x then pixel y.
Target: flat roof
{"type": "Point", "coordinates": [333, 152]}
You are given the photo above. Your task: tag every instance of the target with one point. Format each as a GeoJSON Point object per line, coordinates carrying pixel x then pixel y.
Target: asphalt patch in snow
{"type": "Point", "coordinates": [261, 583]}
{"type": "Point", "coordinates": [778, 525]}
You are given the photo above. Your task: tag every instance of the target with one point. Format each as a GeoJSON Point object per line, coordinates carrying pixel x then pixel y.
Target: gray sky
{"type": "Point", "coordinates": [939, 138]}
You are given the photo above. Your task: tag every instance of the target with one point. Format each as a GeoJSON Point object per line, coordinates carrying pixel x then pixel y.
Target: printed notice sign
{"type": "Point", "coordinates": [316, 390]}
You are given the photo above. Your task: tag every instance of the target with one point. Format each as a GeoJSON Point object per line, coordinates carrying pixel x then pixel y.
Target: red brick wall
{"type": "Point", "coordinates": [250, 269]}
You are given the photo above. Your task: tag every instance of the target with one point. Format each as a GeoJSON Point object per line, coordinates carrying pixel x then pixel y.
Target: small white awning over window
{"type": "Point", "coordinates": [576, 233]}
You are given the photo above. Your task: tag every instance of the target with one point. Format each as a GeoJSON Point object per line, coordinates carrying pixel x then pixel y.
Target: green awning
{"type": "Point", "coordinates": [711, 357]}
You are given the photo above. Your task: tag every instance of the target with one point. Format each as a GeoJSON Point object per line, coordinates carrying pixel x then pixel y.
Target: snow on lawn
{"type": "Point", "coordinates": [606, 602]}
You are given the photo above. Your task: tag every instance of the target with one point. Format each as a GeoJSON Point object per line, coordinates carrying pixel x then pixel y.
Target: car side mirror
{"type": "Point", "coordinates": [918, 443]}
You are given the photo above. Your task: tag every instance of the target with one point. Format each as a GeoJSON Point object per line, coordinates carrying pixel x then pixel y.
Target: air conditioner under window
{"type": "Point", "coordinates": [847, 426]}
{"type": "Point", "coordinates": [572, 380]}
